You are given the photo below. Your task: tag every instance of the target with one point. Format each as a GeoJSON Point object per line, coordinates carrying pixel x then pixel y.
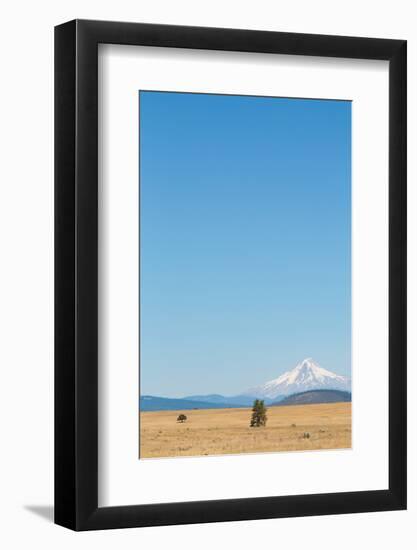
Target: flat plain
{"type": "Point", "coordinates": [227, 431]}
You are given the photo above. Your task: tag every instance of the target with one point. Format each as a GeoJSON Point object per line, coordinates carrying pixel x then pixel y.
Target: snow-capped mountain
{"type": "Point", "coordinates": [307, 375]}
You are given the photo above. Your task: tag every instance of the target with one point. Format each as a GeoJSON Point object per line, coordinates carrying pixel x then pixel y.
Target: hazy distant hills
{"type": "Point", "coordinates": [154, 403]}
{"type": "Point", "coordinates": [315, 396]}
{"type": "Point", "coordinates": [238, 400]}
{"type": "Point", "coordinates": [305, 383]}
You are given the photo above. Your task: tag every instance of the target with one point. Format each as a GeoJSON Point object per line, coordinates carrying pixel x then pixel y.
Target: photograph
{"type": "Point", "coordinates": [209, 275]}
{"type": "Point", "coordinates": [245, 274]}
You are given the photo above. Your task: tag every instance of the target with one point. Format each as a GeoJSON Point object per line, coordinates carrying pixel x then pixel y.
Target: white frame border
{"type": "Point", "coordinates": [123, 71]}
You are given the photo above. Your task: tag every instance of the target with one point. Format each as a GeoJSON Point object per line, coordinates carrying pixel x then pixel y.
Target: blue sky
{"type": "Point", "coordinates": [245, 239]}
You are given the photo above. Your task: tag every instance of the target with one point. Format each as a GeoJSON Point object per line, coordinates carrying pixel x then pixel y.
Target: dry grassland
{"type": "Point", "coordinates": [226, 431]}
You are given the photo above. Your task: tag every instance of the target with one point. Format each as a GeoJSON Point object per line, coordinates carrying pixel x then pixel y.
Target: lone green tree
{"type": "Point", "coordinates": [181, 418]}
{"type": "Point", "coordinates": [259, 417]}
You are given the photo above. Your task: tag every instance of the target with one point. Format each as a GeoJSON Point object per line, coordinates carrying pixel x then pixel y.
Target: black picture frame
{"type": "Point", "coordinates": [76, 272]}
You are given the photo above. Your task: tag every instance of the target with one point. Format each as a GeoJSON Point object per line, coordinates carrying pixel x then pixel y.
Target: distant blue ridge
{"type": "Point", "coordinates": [153, 403]}
{"type": "Point", "coordinates": [215, 401]}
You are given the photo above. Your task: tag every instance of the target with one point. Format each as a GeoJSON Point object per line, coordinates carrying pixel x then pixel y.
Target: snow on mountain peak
{"type": "Point", "coordinates": [307, 375]}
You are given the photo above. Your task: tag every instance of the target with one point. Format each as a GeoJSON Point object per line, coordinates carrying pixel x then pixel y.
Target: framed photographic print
{"type": "Point", "coordinates": [230, 253]}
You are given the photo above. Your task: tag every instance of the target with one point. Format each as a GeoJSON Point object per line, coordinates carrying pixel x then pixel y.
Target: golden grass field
{"type": "Point", "coordinates": [226, 431]}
